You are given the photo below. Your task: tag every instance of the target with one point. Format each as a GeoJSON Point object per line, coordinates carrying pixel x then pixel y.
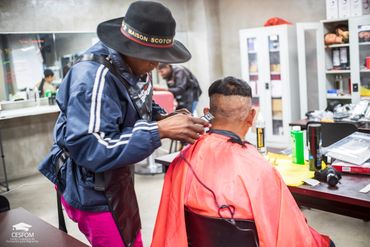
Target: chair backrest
{"type": "Point", "coordinates": [333, 132]}
{"type": "Point", "coordinates": [4, 204]}
{"type": "Point", "coordinates": [204, 231]}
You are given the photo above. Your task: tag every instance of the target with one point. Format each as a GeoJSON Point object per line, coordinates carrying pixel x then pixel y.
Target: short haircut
{"type": "Point", "coordinates": [230, 99]}
{"type": "Point", "coordinates": [230, 86]}
{"type": "Point", "coordinates": [163, 65]}
{"type": "Point", "coordinates": [48, 72]}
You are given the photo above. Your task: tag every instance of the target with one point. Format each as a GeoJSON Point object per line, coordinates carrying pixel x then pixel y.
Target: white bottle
{"type": "Point", "coordinates": [260, 131]}
{"type": "Point", "coordinates": [37, 96]}
{"type": "Point", "coordinates": [27, 93]}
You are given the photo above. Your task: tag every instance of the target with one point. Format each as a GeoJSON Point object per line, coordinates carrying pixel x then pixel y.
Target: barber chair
{"type": "Point", "coordinates": [204, 231]}
{"type": "Point", "coordinates": [4, 204]}
{"type": "Point", "coordinates": [333, 132]}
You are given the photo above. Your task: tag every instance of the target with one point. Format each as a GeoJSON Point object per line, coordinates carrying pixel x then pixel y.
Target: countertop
{"type": "Point", "coordinates": [28, 111]}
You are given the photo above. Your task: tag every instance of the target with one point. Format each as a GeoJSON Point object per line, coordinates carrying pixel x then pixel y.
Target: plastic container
{"type": "Point", "coordinates": [48, 93]}
{"type": "Point", "coordinates": [297, 145]}
{"type": "Point", "coordinates": [260, 131]}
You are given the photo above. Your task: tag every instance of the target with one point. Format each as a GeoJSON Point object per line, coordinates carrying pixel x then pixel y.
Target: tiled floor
{"type": "Point", "coordinates": [37, 195]}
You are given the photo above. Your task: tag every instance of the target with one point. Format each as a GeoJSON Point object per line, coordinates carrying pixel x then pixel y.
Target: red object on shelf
{"type": "Point", "coordinates": [274, 21]}
{"type": "Point", "coordinates": [367, 62]}
{"type": "Point", "coordinates": [276, 77]}
{"type": "Point", "coordinates": [165, 100]}
{"type": "Point", "coordinates": [349, 86]}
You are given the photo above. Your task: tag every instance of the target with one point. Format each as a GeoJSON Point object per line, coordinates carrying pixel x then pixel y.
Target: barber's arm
{"type": "Point", "coordinates": [96, 139]}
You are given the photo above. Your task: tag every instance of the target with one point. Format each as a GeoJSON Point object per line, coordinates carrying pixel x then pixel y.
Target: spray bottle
{"type": "Point", "coordinates": [260, 129]}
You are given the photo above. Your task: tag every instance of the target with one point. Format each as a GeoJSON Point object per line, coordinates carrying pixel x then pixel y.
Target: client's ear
{"type": "Point", "coordinates": [250, 118]}
{"type": "Point", "coordinates": [205, 110]}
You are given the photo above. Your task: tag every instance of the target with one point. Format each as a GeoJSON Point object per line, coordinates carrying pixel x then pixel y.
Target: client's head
{"type": "Point", "coordinates": [231, 105]}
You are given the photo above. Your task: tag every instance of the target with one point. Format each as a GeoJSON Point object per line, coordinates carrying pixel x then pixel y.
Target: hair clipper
{"type": "Point", "coordinates": [208, 117]}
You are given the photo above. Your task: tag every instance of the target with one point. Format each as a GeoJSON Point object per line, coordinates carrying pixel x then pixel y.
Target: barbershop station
{"type": "Point", "coordinates": [187, 123]}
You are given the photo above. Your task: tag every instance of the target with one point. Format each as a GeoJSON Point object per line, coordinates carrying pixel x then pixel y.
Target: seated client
{"type": "Point", "coordinates": [237, 174]}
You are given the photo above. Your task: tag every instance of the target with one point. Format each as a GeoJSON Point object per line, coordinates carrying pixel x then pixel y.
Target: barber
{"type": "Point", "coordinates": [108, 122]}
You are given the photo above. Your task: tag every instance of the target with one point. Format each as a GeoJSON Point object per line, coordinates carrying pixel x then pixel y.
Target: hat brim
{"type": "Point", "coordinates": [109, 33]}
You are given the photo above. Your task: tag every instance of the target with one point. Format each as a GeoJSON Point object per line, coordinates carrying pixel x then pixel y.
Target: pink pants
{"type": "Point", "coordinates": [98, 227]}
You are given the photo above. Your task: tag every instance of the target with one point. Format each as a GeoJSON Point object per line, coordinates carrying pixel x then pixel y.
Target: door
{"type": "Point", "coordinates": [309, 47]}
{"type": "Point", "coordinates": [274, 78]}
{"type": "Point", "coordinates": [250, 47]}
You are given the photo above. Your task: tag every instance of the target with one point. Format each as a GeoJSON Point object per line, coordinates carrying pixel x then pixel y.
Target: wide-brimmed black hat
{"type": "Point", "coordinates": [146, 32]}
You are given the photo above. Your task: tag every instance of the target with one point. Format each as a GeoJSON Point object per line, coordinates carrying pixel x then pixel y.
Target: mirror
{"type": "Point", "coordinates": [25, 56]}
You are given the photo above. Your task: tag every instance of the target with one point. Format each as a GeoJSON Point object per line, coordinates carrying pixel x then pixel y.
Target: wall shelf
{"type": "Point", "coordinates": [333, 96]}
{"type": "Point", "coordinates": [338, 71]}
{"type": "Point", "coordinates": [337, 45]}
{"type": "Point", "coordinates": [334, 20]}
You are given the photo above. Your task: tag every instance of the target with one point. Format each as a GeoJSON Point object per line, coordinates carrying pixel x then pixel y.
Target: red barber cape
{"type": "Point", "coordinates": [239, 176]}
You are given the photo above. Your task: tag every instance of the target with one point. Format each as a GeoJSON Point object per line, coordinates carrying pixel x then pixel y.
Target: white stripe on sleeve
{"type": "Point", "coordinates": [98, 107]}
{"type": "Point", "coordinates": [93, 98]}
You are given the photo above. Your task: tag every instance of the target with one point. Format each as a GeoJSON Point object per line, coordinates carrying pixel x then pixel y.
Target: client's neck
{"type": "Point", "coordinates": [233, 127]}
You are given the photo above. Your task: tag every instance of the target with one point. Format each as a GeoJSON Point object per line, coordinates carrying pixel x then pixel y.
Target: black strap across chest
{"type": "Point", "coordinates": [141, 108]}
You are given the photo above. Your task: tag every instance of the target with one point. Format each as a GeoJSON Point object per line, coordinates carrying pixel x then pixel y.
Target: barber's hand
{"type": "Point", "coordinates": [182, 127]}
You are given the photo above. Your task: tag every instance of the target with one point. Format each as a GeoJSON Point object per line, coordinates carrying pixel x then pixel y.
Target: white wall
{"type": "Point", "coordinates": [70, 15]}
{"type": "Point", "coordinates": [238, 14]}
{"type": "Point", "coordinates": [212, 25]}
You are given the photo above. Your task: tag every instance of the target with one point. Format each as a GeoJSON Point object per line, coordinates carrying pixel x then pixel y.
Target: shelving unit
{"type": "Point", "coordinates": [336, 56]}
{"type": "Point", "coordinates": [354, 77]}
{"type": "Point", "coordinates": [269, 65]}
{"type": "Point", "coordinates": [359, 51]}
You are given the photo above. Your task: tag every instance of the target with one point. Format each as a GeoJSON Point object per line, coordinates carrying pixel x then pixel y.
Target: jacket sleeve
{"type": "Point", "coordinates": [95, 136]}
{"type": "Point", "coordinates": [157, 110]}
{"type": "Point", "coordinates": [181, 79]}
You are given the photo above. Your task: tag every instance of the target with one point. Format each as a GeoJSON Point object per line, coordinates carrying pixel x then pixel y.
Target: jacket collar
{"type": "Point", "coordinates": [117, 61]}
{"type": "Point", "coordinates": [234, 138]}
{"type": "Point", "coordinates": [122, 68]}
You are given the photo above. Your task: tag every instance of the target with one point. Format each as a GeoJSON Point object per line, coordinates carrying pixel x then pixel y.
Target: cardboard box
{"type": "Point", "coordinates": [344, 8]}
{"type": "Point", "coordinates": [277, 105]}
{"type": "Point", "coordinates": [331, 9]}
{"type": "Point", "coordinates": [360, 7]}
